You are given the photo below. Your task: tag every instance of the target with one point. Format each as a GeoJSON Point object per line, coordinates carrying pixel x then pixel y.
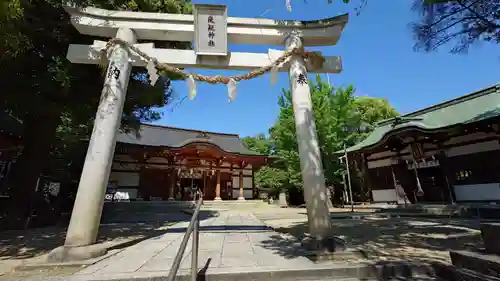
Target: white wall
{"type": "Point", "coordinates": [477, 192]}
{"type": "Point", "coordinates": [384, 195]}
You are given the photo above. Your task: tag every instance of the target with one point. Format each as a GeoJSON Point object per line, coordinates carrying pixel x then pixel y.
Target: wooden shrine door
{"type": "Point", "coordinates": [154, 183]}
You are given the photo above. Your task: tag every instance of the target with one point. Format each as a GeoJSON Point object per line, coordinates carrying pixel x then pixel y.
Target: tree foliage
{"type": "Point", "coordinates": [341, 119]}
{"type": "Point", "coordinates": [463, 22]}
{"type": "Point", "coordinates": [57, 100]}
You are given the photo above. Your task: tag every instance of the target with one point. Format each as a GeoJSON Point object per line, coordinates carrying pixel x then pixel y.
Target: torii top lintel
{"type": "Point", "coordinates": [176, 27]}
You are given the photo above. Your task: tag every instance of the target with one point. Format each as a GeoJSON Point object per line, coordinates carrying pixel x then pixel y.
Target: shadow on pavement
{"type": "Point", "coordinates": [29, 243]}
{"type": "Point", "coordinates": [390, 239]}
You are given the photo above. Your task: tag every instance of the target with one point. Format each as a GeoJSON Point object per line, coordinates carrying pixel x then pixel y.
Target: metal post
{"type": "Point", "coordinates": [194, 250]}
{"type": "Point", "coordinates": [344, 192]}
{"type": "Point", "coordinates": [348, 178]}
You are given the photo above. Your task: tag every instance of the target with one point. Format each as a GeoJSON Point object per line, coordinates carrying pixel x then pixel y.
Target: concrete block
{"type": "Point", "coordinates": [490, 233]}
{"type": "Point", "coordinates": [486, 264]}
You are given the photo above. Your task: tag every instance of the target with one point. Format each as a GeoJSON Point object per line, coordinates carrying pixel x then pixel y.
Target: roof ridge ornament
{"type": "Point", "coordinates": [401, 120]}
{"type": "Point", "coordinates": [203, 135]}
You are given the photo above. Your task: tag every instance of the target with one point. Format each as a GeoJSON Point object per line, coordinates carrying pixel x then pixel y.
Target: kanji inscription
{"type": "Point", "coordinates": [114, 72]}
{"type": "Point", "coordinates": [211, 29]}
{"type": "Point", "coordinates": [302, 79]}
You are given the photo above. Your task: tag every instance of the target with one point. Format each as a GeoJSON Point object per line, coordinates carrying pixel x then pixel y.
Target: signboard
{"type": "Point", "coordinates": [54, 188]}
{"type": "Point", "coordinates": [210, 24]}
{"type": "Point", "coordinates": [417, 151]}
{"type": "Point", "coordinates": [423, 164]}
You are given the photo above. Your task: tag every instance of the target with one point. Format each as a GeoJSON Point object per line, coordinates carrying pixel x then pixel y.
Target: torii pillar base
{"type": "Point", "coordinates": [329, 249]}
{"type": "Point", "coordinates": [76, 253]}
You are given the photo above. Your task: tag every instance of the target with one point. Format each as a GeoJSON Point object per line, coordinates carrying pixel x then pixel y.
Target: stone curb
{"type": "Point", "coordinates": [450, 272]}
{"type": "Point", "coordinates": [381, 271]}
{"type": "Point", "coordinates": [410, 215]}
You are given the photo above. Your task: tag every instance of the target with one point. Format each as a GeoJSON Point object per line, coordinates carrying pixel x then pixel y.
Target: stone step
{"type": "Point", "coordinates": [143, 218]}
{"type": "Point", "coordinates": [416, 209]}
{"type": "Point", "coordinates": [489, 212]}
{"type": "Point", "coordinates": [482, 263]}
{"type": "Point", "coordinates": [333, 272]}
{"type": "Point", "coordinates": [158, 211]}
{"type": "Point", "coordinates": [451, 273]}
{"type": "Point", "coordinates": [486, 212]}
{"type": "Point", "coordinates": [146, 206]}
{"type": "Point", "coordinates": [234, 202]}
{"type": "Point", "coordinates": [150, 212]}
{"type": "Point", "coordinates": [490, 233]}
{"type": "Point", "coordinates": [469, 275]}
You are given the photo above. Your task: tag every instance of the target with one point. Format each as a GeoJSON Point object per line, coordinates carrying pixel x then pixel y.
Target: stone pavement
{"type": "Point", "coordinates": [234, 241]}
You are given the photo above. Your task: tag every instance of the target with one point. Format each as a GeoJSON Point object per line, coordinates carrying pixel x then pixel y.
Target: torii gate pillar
{"type": "Point", "coordinates": [86, 214]}
{"type": "Point", "coordinates": [321, 234]}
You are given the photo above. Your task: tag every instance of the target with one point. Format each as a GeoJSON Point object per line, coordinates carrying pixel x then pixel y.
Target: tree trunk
{"type": "Point", "coordinates": [39, 133]}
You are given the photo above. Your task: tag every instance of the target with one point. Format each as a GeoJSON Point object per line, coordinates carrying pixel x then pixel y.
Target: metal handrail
{"type": "Point", "coordinates": [194, 228]}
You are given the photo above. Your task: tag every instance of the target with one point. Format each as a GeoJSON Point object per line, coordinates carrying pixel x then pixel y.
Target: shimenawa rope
{"type": "Point", "coordinates": [314, 57]}
{"type": "Point", "coordinates": [211, 79]}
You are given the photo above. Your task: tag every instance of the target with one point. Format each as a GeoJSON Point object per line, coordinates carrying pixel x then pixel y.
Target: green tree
{"type": "Point", "coordinates": [341, 119]}
{"type": "Point", "coordinates": [259, 143]}
{"type": "Point", "coordinates": [56, 99]}
{"type": "Point", "coordinates": [271, 176]}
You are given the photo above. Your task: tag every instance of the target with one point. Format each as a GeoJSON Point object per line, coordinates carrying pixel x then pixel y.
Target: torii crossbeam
{"type": "Point", "coordinates": [90, 54]}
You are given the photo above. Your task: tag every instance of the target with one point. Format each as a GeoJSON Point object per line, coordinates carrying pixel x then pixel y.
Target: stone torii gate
{"type": "Point", "coordinates": [132, 26]}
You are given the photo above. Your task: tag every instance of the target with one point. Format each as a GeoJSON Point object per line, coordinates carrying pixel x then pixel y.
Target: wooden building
{"type": "Point", "coordinates": [165, 163]}
{"type": "Point", "coordinates": [449, 152]}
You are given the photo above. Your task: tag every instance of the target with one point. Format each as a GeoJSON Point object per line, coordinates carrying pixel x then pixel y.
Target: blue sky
{"type": "Point", "coordinates": [378, 59]}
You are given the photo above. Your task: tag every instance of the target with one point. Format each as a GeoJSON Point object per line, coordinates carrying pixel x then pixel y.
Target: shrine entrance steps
{"type": "Point", "coordinates": [460, 210]}
{"type": "Point", "coordinates": [234, 205]}
{"type": "Point", "coordinates": [170, 211]}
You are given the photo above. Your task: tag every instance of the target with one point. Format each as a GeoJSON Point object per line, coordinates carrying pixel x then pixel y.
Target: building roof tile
{"type": "Point", "coordinates": [154, 135]}
{"type": "Point", "coordinates": [480, 105]}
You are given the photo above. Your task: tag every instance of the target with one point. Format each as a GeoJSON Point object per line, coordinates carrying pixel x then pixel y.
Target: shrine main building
{"type": "Point", "coordinates": [449, 152]}
{"type": "Point", "coordinates": [166, 163]}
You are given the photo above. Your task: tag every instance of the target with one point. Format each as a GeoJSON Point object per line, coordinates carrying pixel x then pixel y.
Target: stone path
{"type": "Point", "coordinates": [234, 241]}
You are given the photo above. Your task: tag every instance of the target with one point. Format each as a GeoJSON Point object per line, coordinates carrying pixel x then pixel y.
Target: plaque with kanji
{"type": "Point", "coordinates": [210, 23]}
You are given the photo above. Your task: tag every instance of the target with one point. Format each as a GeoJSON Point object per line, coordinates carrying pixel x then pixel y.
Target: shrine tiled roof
{"type": "Point", "coordinates": [154, 135]}
{"type": "Point", "coordinates": [480, 105]}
